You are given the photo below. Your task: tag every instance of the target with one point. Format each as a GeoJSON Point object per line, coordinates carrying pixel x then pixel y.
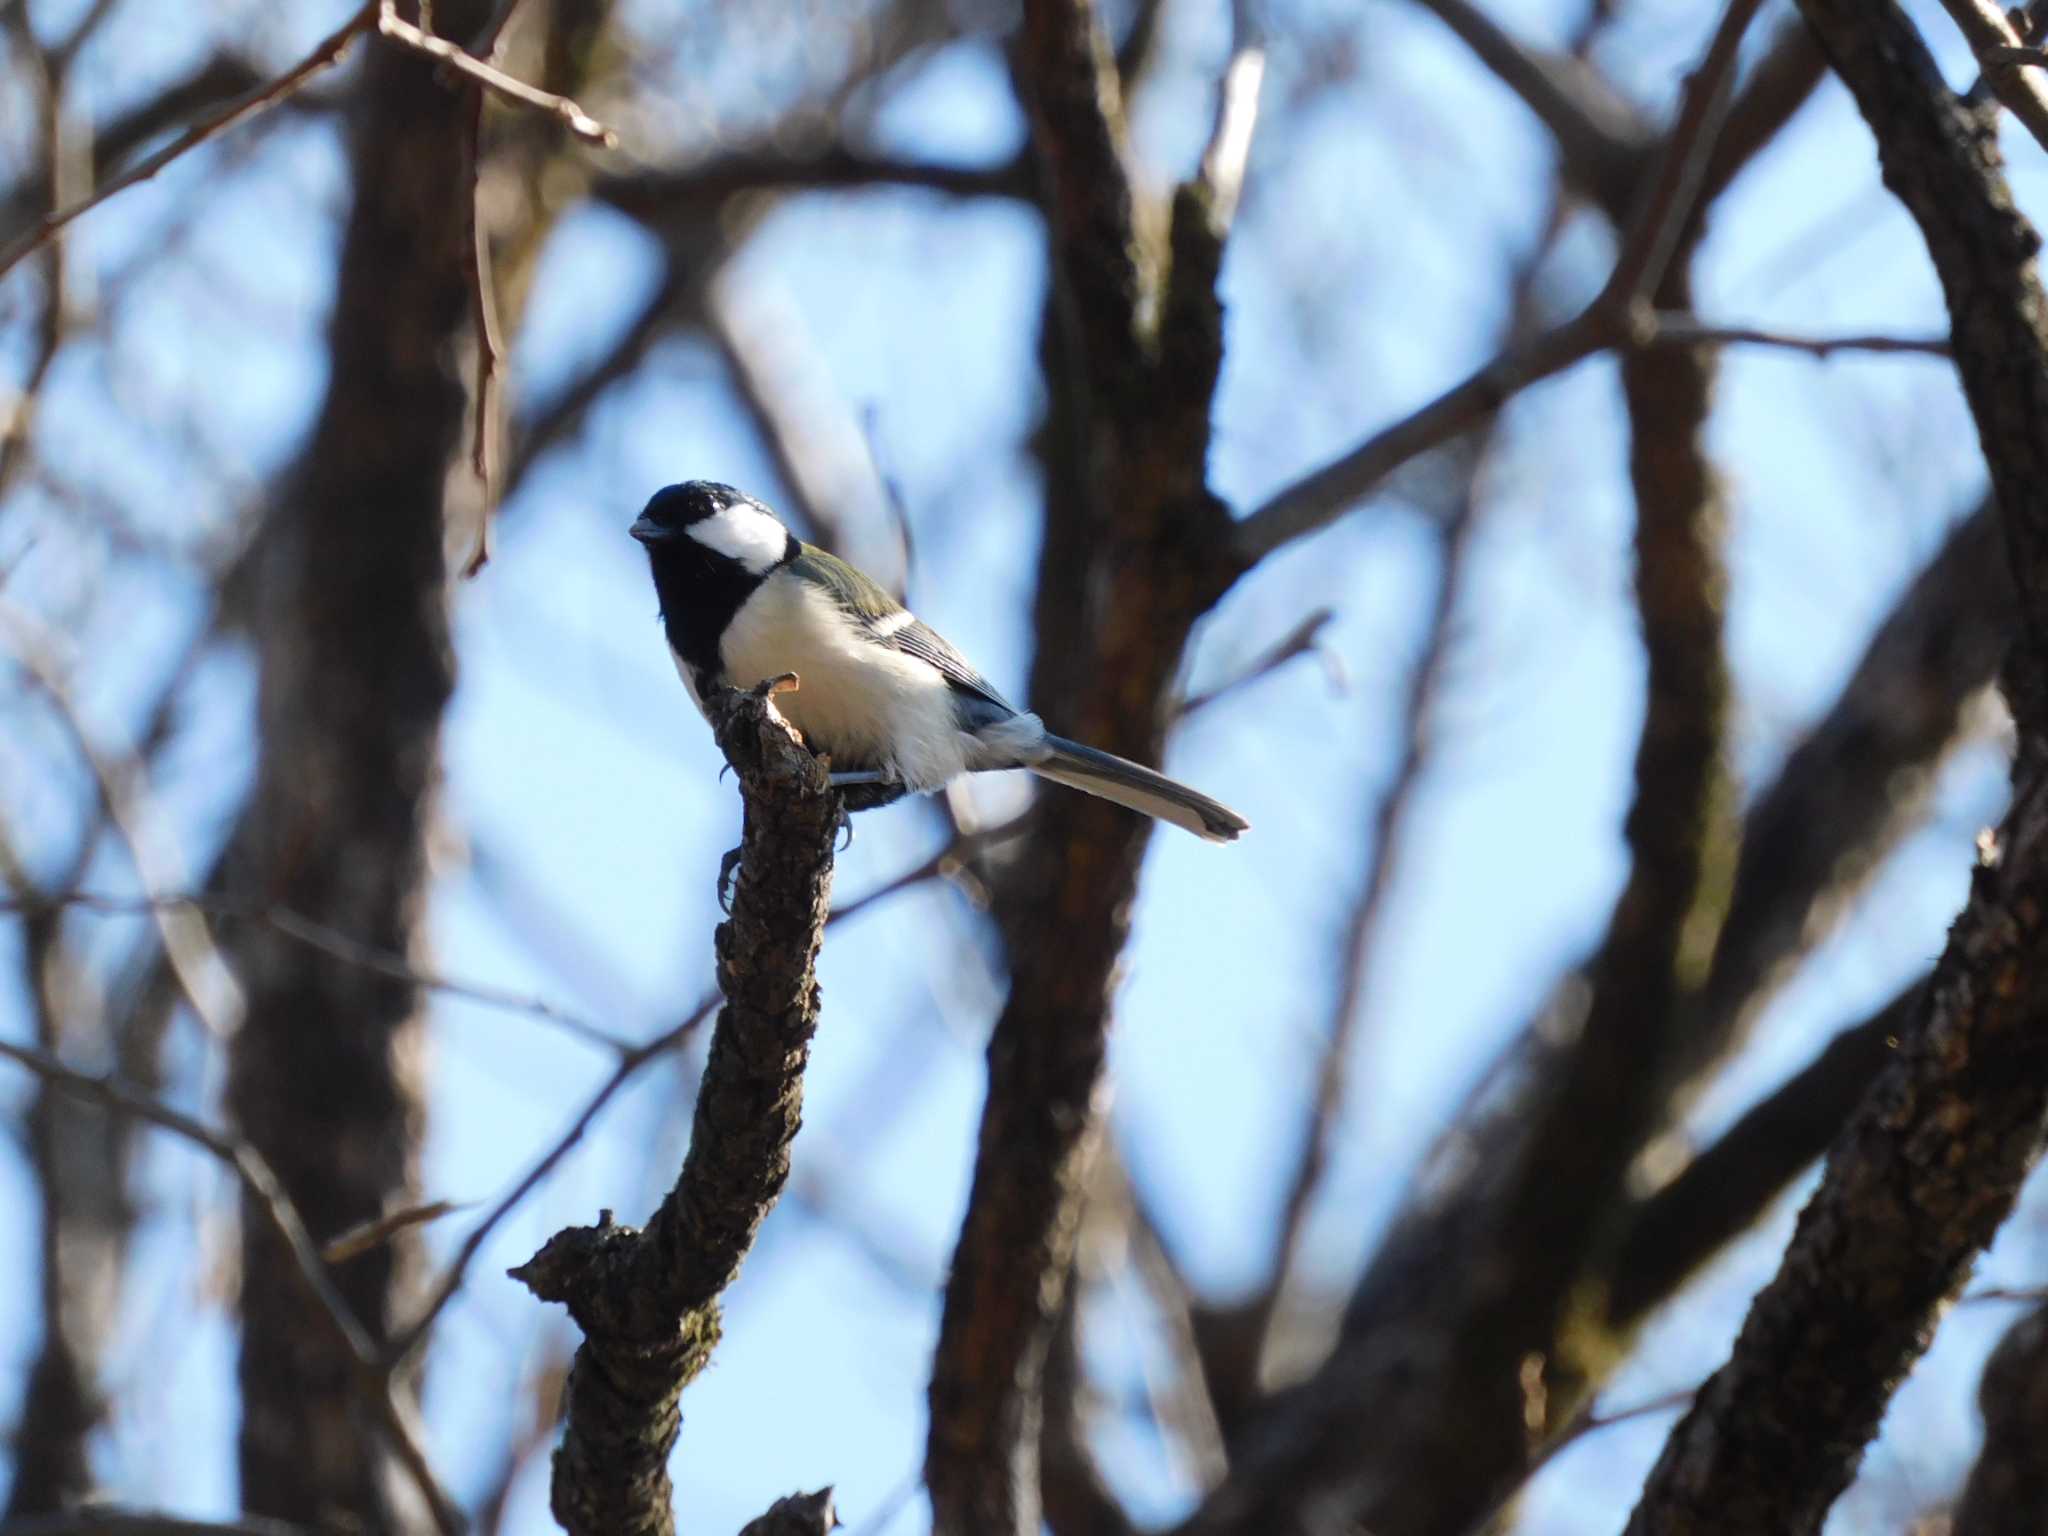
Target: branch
{"type": "Point", "coordinates": [647, 1300]}
{"type": "Point", "coordinates": [1723, 1190]}
{"type": "Point", "coordinates": [1305, 639]}
{"type": "Point", "coordinates": [1922, 1177]}
{"type": "Point", "coordinates": [1840, 801]}
{"type": "Point", "coordinates": [2008, 1487]}
{"type": "Point", "coordinates": [701, 188]}
{"type": "Point", "coordinates": [102, 1520]}
{"type": "Point", "coordinates": [1846, 793]}
{"type": "Point", "coordinates": [2005, 60]}
{"type": "Point", "coordinates": [267, 1194]}
{"type": "Point", "coordinates": [328, 52]}
{"type": "Point", "coordinates": [1666, 329]}
{"type": "Point", "coordinates": [1602, 144]}
{"type": "Point", "coordinates": [1133, 553]}
{"type": "Point", "coordinates": [1364, 930]}
{"type": "Point", "coordinates": [407, 1343]}
{"type": "Point", "coordinates": [123, 786]}
{"type": "Point", "coordinates": [493, 79]}
{"type": "Point", "coordinates": [1613, 317]}
{"type": "Point", "coordinates": [1915, 1188]}
{"type": "Point", "coordinates": [1940, 158]}
{"type": "Point", "coordinates": [800, 1514]}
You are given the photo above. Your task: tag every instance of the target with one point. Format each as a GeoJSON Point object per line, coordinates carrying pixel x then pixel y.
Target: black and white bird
{"type": "Point", "coordinates": [885, 698]}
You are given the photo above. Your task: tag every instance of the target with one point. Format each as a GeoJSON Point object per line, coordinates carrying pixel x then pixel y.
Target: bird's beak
{"type": "Point", "coordinates": [648, 531]}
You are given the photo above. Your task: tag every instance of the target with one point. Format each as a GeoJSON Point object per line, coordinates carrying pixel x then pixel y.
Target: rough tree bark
{"type": "Point", "coordinates": [647, 1300]}
{"type": "Point", "coordinates": [325, 1077]}
{"type": "Point", "coordinates": [1932, 1162]}
{"type": "Point", "coordinates": [1142, 562]}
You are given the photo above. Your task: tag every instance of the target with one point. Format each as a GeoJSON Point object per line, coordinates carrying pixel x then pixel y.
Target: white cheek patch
{"type": "Point", "coordinates": [743, 533]}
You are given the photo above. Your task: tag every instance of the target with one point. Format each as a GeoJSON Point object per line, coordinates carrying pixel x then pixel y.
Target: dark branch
{"type": "Point", "coordinates": [2008, 1487]}
{"type": "Point", "coordinates": [647, 1300]}
{"type": "Point", "coordinates": [1602, 144]}
{"type": "Point", "coordinates": [1131, 547]}
{"type": "Point", "coordinates": [1723, 1191]}
{"type": "Point", "coordinates": [1932, 1162]}
{"type": "Point", "coordinates": [323, 56]}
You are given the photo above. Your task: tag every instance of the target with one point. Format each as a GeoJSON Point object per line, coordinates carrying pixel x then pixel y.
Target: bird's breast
{"type": "Point", "coordinates": [862, 703]}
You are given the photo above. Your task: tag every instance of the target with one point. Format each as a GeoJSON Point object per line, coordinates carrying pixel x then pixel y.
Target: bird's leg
{"type": "Point", "coordinates": [862, 789]}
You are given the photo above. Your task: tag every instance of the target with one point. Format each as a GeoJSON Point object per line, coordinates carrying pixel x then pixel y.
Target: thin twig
{"type": "Point", "coordinates": [375, 1234]}
{"type": "Point", "coordinates": [123, 785]}
{"type": "Point", "coordinates": [100, 1520]}
{"type": "Point", "coordinates": [244, 1161]}
{"type": "Point", "coordinates": [257, 1177]}
{"type": "Point", "coordinates": [490, 349]}
{"type": "Point", "coordinates": [1363, 932]}
{"type": "Point", "coordinates": [579, 122]}
{"type": "Point", "coordinates": [1681, 170]}
{"type": "Point", "coordinates": [1667, 329]}
{"type": "Point", "coordinates": [1614, 317]}
{"type": "Point", "coordinates": [340, 946]}
{"type": "Point", "coordinates": [1237, 113]}
{"type": "Point", "coordinates": [451, 1280]}
{"type": "Point", "coordinates": [1305, 639]}
{"type": "Point", "coordinates": [329, 50]}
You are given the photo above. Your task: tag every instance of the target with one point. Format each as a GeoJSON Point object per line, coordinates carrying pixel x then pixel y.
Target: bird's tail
{"type": "Point", "coordinates": [1140, 789]}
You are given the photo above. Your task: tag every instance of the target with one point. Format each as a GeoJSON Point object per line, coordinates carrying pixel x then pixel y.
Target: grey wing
{"type": "Point", "coordinates": [889, 623]}
{"type": "Point", "coordinates": [977, 697]}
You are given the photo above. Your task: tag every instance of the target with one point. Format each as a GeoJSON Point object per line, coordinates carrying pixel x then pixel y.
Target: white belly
{"type": "Point", "coordinates": [861, 704]}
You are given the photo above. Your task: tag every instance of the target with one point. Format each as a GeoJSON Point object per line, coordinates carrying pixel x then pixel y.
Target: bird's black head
{"type": "Point", "coordinates": [672, 509]}
{"type": "Point", "coordinates": [709, 547]}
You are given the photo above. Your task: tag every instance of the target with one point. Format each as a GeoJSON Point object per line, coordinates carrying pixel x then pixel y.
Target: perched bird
{"type": "Point", "coordinates": [886, 699]}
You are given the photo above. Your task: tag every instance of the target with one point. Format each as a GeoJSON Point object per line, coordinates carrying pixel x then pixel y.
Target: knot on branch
{"type": "Point", "coordinates": [801, 1514]}
{"type": "Point", "coordinates": [575, 1265]}
{"type": "Point", "coordinates": [765, 750]}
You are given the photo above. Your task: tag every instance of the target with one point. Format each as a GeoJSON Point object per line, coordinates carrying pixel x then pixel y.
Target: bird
{"type": "Point", "coordinates": [885, 698]}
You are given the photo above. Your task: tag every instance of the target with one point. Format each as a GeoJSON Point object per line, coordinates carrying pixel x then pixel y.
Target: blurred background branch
{"type": "Point", "coordinates": [1600, 865]}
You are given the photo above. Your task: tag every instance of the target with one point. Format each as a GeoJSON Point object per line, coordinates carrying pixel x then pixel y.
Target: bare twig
{"type": "Point", "coordinates": [124, 790]}
{"type": "Point", "coordinates": [269, 1194]}
{"type": "Point", "coordinates": [374, 1234]}
{"type": "Point", "coordinates": [340, 946]}
{"type": "Point", "coordinates": [101, 1520]}
{"type": "Point", "coordinates": [1362, 933]}
{"type": "Point", "coordinates": [329, 50]}
{"type": "Point", "coordinates": [451, 1279]}
{"type": "Point", "coordinates": [1601, 141]}
{"type": "Point", "coordinates": [1652, 240]}
{"type": "Point", "coordinates": [1305, 639]}
{"type": "Point", "coordinates": [1614, 317]}
{"type": "Point", "coordinates": [490, 349]}
{"type": "Point", "coordinates": [1221, 175]}
{"type": "Point", "coordinates": [243, 1160]}
{"type": "Point", "coordinates": [390, 24]}
{"type": "Point", "coordinates": [1666, 329]}
{"type": "Point", "coordinates": [947, 862]}
{"type": "Point", "coordinates": [2006, 59]}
